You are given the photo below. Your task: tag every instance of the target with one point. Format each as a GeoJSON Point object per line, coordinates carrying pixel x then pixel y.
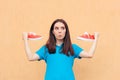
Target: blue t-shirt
{"type": "Point", "coordinates": [59, 66]}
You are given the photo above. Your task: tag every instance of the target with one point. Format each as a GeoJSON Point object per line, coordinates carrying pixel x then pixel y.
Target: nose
{"type": "Point", "coordinates": [60, 31]}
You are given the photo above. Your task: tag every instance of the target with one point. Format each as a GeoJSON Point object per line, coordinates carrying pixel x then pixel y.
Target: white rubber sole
{"type": "Point", "coordinates": [84, 39]}
{"type": "Point", "coordinates": [35, 38]}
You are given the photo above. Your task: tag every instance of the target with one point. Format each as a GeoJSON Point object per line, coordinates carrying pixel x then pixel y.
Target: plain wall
{"type": "Point", "coordinates": [17, 16]}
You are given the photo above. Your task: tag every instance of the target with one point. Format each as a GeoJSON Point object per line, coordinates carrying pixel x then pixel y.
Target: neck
{"type": "Point", "coordinates": [59, 42]}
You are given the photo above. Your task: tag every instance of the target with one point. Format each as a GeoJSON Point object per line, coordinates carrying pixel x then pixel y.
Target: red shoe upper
{"type": "Point", "coordinates": [87, 36]}
{"type": "Point", "coordinates": [30, 35]}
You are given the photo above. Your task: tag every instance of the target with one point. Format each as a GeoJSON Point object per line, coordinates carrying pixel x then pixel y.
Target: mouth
{"type": "Point", "coordinates": [59, 35]}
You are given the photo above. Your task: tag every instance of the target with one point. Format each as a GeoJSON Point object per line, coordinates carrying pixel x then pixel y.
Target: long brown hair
{"type": "Point", "coordinates": [67, 45]}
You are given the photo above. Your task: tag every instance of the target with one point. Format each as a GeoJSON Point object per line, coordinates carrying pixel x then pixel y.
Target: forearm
{"type": "Point", "coordinates": [92, 49]}
{"type": "Point", "coordinates": [27, 50]}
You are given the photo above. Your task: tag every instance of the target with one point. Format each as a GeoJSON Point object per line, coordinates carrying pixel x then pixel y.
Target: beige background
{"type": "Point", "coordinates": [17, 16]}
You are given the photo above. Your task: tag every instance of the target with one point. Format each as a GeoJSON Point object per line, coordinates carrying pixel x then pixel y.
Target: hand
{"type": "Point", "coordinates": [96, 35]}
{"type": "Point", "coordinates": [25, 36]}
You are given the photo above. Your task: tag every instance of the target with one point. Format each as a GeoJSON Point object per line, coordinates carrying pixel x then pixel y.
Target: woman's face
{"type": "Point", "coordinates": [59, 31]}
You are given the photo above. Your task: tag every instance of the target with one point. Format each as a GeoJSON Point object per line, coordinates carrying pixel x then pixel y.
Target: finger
{"type": "Point", "coordinates": [25, 34]}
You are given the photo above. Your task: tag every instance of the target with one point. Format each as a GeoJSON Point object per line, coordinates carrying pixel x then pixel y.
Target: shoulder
{"type": "Point", "coordinates": [43, 47]}
{"type": "Point", "coordinates": [74, 45]}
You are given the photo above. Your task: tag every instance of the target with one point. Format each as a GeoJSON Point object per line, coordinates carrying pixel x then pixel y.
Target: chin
{"type": "Point", "coordinates": [60, 38]}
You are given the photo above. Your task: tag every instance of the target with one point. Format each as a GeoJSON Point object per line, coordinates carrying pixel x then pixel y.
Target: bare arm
{"type": "Point", "coordinates": [31, 56]}
{"type": "Point", "coordinates": [91, 52]}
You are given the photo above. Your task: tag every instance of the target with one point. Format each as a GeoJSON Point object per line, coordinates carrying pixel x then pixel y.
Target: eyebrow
{"type": "Point", "coordinates": [61, 26]}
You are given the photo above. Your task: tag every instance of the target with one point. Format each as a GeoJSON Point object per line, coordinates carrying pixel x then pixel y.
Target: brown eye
{"type": "Point", "coordinates": [56, 28]}
{"type": "Point", "coordinates": [63, 28]}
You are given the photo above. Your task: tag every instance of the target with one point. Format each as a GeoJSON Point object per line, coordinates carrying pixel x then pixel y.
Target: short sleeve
{"type": "Point", "coordinates": [77, 50]}
{"type": "Point", "coordinates": [41, 53]}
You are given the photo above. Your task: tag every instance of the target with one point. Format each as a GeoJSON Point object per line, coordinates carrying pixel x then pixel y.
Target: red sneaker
{"type": "Point", "coordinates": [86, 36]}
{"type": "Point", "coordinates": [33, 36]}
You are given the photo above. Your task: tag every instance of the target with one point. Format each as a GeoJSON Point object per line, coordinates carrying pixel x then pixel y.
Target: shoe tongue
{"type": "Point", "coordinates": [32, 33]}
{"type": "Point", "coordinates": [86, 33]}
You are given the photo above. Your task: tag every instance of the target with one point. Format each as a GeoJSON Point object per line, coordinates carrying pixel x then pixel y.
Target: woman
{"type": "Point", "coordinates": [59, 53]}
